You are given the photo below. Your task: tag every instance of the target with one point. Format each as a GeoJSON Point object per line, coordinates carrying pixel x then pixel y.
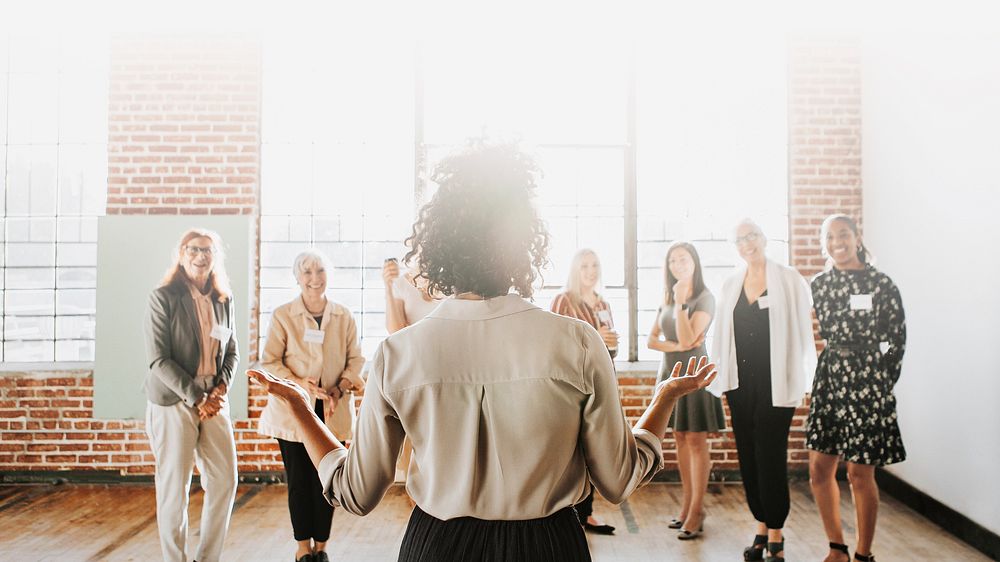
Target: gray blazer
{"type": "Point", "coordinates": [173, 346]}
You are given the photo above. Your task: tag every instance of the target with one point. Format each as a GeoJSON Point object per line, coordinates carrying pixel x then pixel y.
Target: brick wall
{"type": "Point", "coordinates": [184, 138]}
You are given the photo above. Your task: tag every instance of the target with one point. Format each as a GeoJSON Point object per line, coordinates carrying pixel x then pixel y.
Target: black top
{"type": "Point", "coordinates": [319, 320]}
{"type": "Point", "coordinates": [752, 332]}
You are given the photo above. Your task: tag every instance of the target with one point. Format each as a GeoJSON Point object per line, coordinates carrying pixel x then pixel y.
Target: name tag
{"type": "Point", "coordinates": [314, 336]}
{"type": "Point", "coordinates": [861, 302]}
{"type": "Point", "coordinates": [764, 302]}
{"type": "Point", "coordinates": [221, 333]}
{"type": "Point", "coordinates": [605, 317]}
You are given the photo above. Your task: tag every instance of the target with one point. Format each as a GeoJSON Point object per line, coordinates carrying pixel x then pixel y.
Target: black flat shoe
{"type": "Point", "coordinates": [305, 558]}
{"type": "Point", "coordinates": [599, 529]}
{"type": "Point", "coordinates": [755, 551]}
{"type": "Point", "coordinates": [321, 557]}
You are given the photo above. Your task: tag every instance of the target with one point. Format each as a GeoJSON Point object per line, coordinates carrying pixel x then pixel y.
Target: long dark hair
{"type": "Point", "coordinates": [697, 281]}
{"type": "Point", "coordinates": [480, 232]}
{"type": "Point", "coordinates": [864, 256]}
{"type": "Point", "coordinates": [217, 279]}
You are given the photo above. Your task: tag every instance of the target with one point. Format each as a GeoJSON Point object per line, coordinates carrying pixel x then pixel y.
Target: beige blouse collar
{"type": "Point", "coordinates": [461, 309]}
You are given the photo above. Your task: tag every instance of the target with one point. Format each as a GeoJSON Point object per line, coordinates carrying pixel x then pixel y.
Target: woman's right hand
{"type": "Point", "coordinates": [287, 391]}
{"type": "Point", "coordinates": [390, 271]}
{"type": "Point", "coordinates": [695, 378]}
{"type": "Point", "coordinates": [609, 336]}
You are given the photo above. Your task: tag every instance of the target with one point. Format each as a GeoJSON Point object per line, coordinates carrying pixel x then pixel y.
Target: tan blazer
{"type": "Point", "coordinates": [288, 355]}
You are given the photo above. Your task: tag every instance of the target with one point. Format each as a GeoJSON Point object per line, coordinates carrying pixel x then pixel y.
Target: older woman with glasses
{"type": "Point", "coordinates": [191, 348]}
{"type": "Point", "coordinates": [312, 342]}
{"type": "Point", "coordinates": [511, 409]}
{"type": "Point", "coordinates": [764, 347]}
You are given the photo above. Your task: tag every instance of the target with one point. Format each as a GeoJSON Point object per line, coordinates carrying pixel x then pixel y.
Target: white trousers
{"type": "Point", "coordinates": [179, 439]}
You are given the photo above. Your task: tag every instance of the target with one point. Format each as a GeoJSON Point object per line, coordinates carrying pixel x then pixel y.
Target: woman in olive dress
{"type": "Point", "coordinates": [852, 414]}
{"type": "Point", "coordinates": [683, 318]}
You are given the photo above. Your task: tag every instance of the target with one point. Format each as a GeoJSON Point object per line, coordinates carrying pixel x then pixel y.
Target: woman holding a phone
{"type": "Point", "coordinates": [580, 299]}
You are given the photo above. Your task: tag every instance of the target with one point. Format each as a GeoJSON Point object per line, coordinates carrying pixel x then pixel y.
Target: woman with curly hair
{"type": "Point", "coordinates": [510, 408]}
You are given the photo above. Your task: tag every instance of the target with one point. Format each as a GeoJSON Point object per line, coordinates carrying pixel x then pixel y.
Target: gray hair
{"type": "Point", "coordinates": [309, 257]}
{"type": "Point", "coordinates": [747, 221]}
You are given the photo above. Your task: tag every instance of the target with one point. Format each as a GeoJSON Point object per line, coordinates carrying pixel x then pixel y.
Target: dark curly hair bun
{"type": "Point", "coordinates": [481, 233]}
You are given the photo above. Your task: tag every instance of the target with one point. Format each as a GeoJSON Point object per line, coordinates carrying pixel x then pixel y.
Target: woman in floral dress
{"type": "Point", "coordinates": [852, 414]}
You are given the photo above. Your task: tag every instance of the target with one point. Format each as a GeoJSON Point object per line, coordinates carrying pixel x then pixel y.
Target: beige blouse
{"type": "Point", "coordinates": [511, 410]}
{"type": "Point", "coordinates": [206, 319]}
{"type": "Point", "coordinates": [289, 355]}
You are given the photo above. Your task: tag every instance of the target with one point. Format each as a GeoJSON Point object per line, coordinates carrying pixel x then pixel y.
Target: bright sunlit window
{"type": "Point", "coordinates": [53, 122]}
{"type": "Point", "coordinates": [344, 168]}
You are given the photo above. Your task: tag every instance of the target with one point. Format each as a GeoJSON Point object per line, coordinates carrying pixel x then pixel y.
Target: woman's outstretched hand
{"type": "Point", "coordinates": [694, 379]}
{"type": "Point", "coordinates": [289, 392]}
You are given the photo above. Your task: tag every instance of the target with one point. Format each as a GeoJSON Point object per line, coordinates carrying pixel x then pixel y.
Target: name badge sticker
{"type": "Point", "coordinates": [314, 336]}
{"type": "Point", "coordinates": [221, 333]}
{"type": "Point", "coordinates": [605, 317]}
{"type": "Point", "coordinates": [861, 302]}
{"type": "Point", "coordinates": [764, 302]}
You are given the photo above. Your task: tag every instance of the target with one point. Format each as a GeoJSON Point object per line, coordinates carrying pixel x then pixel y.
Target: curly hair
{"type": "Point", "coordinates": [480, 233]}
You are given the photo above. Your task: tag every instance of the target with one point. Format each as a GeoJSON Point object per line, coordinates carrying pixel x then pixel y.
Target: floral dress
{"type": "Point", "coordinates": [852, 412]}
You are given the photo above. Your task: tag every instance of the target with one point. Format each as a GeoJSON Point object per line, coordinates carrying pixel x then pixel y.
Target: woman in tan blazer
{"type": "Point", "coordinates": [313, 342]}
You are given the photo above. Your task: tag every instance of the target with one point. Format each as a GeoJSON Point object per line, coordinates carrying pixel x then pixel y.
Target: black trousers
{"type": "Point", "coordinates": [761, 433]}
{"type": "Point", "coordinates": [312, 515]}
{"type": "Point", "coordinates": [556, 538]}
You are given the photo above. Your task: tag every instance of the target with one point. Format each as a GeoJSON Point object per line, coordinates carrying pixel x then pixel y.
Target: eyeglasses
{"type": "Point", "coordinates": [193, 251]}
{"type": "Point", "coordinates": [749, 237]}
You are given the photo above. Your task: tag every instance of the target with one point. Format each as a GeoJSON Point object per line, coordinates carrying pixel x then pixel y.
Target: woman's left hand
{"type": "Point", "coordinates": [290, 393]}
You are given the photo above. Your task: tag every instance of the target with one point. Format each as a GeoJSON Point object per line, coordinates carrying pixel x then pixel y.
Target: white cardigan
{"type": "Point", "coordinates": [793, 350]}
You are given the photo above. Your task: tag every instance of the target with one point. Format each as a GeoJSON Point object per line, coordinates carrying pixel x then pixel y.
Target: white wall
{"type": "Point", "coordinates": [931, 172]}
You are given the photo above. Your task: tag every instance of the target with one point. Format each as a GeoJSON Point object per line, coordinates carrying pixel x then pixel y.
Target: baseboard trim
{"type": "Point", "coordinates": [55, 477]}
{"type": "Point", "coordinates": [977, 536]}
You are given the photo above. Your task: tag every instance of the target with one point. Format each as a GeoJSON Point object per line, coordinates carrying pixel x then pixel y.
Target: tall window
{"type": "Point", "coordinates": [712, 149]}
{"type": "Point", "coordinates": [53, 122]}
{"type": "Point", "coordinates": [337, 169]}
{"type": "Point", "coordinates": [349, 141]}
{"type": "Point", "coordinates": [569, 105]}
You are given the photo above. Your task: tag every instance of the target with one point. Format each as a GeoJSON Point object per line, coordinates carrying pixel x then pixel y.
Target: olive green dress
{"type": "Point", "coordinates": [700, 410]}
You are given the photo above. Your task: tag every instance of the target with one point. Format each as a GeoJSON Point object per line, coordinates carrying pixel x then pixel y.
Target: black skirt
{"type": "Point", "coordinates": [558, 537]}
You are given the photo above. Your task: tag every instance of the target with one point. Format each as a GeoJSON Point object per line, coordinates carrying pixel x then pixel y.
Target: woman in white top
{"type": "Point", "coordinates": [510, 407]}
{"type": "Point", "coordinates": [764, 346]}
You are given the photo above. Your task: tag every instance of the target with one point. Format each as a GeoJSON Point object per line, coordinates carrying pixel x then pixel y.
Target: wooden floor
{"type": "Point", "coordinates": [117, 522]}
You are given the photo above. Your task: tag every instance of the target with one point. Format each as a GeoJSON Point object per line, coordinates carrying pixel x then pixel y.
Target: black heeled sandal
{"type": "Point", "coordinates": [841, 548]}
{"type": "Point", "coordinates": [863, 558]}
{"type": "Point", "coordinates": [755, 551]}
{"type": "Point", "coordinates": [773, 548]}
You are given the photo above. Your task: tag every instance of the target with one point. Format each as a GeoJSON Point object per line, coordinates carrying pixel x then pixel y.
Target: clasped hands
{"type": "Point", "coordinates": [214, 402]}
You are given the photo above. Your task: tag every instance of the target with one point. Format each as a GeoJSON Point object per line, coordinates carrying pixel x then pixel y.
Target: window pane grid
{"type": "Point", "coordinates": [53, 103]}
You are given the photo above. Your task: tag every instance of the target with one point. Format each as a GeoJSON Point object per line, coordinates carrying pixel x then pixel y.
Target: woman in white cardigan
{"type": "Point", "coordinates": [766, 355]}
